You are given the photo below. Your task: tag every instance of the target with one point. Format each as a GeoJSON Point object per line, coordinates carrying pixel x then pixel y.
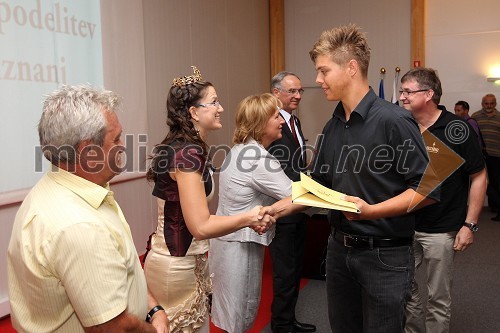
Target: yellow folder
{"type": "Point", "coordinates": [310, 193]}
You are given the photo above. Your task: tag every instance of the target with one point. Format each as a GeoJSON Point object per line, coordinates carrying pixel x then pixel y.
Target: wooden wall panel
{"type": "Point", "coordinates": [418, 33]}
{"type": "Point", "coordinates": [277, 35]}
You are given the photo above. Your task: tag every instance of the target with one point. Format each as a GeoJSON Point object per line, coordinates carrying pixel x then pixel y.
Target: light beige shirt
{"type": "Point", "coordinates": [71, 260]}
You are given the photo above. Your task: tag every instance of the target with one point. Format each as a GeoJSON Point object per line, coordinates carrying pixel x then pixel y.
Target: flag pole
{"type": "Point", "coordinates": [395, 99]}
{"type": "Point", "coordinates": [381, 85]}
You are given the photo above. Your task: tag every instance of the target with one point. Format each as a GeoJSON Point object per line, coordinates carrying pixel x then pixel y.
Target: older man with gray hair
{"type": "Point", "coordinates": [287, 247]}
{"type": "Point", "coordinates": [72, 264]}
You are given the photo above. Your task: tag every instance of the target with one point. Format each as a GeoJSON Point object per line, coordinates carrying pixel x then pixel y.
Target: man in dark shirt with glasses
{"type": "Point", "coordinates": [448, 226]}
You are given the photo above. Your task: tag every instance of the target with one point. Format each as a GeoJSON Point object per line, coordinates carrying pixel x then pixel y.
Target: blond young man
{"type": "Point", "coordinates": [369, 261]}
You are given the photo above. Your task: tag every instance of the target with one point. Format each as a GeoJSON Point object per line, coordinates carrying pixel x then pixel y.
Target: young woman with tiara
{"type": "Point", "coordinates": [176, 267]}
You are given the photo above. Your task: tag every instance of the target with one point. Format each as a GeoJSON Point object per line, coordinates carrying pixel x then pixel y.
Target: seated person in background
{"type": "Point", "coordinates": [72, 265]}
{"type": "Point", "coordinates": [250, 176]}
{"type": "Point", "coordinates": [462, 111]}
{"type": "Point", "coordinates": [176, 267]}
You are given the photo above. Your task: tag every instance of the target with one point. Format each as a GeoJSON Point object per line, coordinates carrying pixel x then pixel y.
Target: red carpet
{"type": "Point", "coordinates": [263, 316]}
{"type": "Point", "coordinates": [5, 326]}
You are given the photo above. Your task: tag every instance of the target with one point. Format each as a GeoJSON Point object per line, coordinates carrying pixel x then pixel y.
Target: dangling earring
{"type": "Point", "coordinates": [194, 125]}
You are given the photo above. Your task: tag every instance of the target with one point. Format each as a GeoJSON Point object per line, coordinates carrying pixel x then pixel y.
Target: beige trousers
{"type": "Point", "coordinates": [436, 251]}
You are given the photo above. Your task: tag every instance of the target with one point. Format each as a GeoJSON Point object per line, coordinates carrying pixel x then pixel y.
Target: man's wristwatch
{"type": "Point", "coordinates": [154, 310]}
{"type": "Point", "coordinates": [472, 226]}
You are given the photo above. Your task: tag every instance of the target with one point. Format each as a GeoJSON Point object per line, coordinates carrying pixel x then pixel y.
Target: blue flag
{"type": "Point", "coordinates": [381, 89]}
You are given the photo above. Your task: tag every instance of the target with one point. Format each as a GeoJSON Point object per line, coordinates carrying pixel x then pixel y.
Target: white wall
{"type": "Point", "coordinates": [387, 24]}
{"type": "Point", "coordinates": [7, 214]}
{"type": "Point", "coordinates": [463, 44]}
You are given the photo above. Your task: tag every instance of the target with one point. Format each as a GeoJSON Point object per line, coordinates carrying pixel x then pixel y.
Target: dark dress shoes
{"type": "Point", "coordinates": [303, 327]}
{"type": "Point", "coordinates": [496, 218]}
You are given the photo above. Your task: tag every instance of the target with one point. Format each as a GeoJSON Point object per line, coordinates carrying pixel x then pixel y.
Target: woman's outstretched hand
{"type": "Point", "coordinates": [262, 218]}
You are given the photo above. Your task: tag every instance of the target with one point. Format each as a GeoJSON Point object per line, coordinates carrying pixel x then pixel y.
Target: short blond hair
{"type": "Point", "coordinates": [343, 44]}
{"type": "Point", "coordinates": [252, 115]}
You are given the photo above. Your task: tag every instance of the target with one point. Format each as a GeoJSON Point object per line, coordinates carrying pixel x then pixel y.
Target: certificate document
{"type": "Point", "coordinates": [310, 193]}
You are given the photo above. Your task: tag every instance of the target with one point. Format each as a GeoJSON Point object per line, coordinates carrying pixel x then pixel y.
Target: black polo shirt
{"type": "Point", "coordinates": [449, 214]}
{"type": "Point", "coordinates": [376, 155]}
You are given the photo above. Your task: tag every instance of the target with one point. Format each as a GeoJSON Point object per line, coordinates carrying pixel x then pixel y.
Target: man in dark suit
{"type": "Point", "coordinates": [287, 247]}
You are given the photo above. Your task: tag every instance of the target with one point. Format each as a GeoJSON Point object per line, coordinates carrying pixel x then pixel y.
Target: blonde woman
{"type": "Point", "coordinates": [250, 176]}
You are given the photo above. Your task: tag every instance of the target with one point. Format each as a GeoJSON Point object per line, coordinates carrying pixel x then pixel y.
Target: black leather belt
{"type": "Point", "coordinates": [368, 242]}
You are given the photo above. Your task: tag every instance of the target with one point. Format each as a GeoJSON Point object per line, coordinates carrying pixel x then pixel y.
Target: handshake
{"type": "Point", "coordinates": [262, 218]}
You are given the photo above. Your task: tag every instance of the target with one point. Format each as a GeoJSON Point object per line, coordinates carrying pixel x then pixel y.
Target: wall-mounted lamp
{"type": "Point", "coordinates": [493, 79]}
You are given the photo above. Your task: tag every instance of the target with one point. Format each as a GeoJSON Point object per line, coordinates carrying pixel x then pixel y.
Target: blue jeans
{"type": "Point", "coordinates": [367, 289]}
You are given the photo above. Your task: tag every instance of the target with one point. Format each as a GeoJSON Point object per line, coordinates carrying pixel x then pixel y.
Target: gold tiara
{"type": "Point", "coordinates": [182, 81]}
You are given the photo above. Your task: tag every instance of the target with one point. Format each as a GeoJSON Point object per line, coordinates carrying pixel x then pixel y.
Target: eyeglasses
{"type": "Point", "coordinates": [205, 105]}
{"type": "Point", "coordinates": [407, 93]}
{"type": "Point", "coordinates": [293, 91]}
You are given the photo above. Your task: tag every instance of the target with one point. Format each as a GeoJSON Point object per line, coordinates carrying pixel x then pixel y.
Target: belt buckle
{"type": "Point", "coordinates": [346, 240]}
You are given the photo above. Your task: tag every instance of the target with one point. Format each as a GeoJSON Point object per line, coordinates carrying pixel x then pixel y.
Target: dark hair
{"type": "Point", "coordinates": [463, 104]}
{"type": "Point", "coordinates": [426, 78]}
{"type": "Point", "coordinates": [181, 128]}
